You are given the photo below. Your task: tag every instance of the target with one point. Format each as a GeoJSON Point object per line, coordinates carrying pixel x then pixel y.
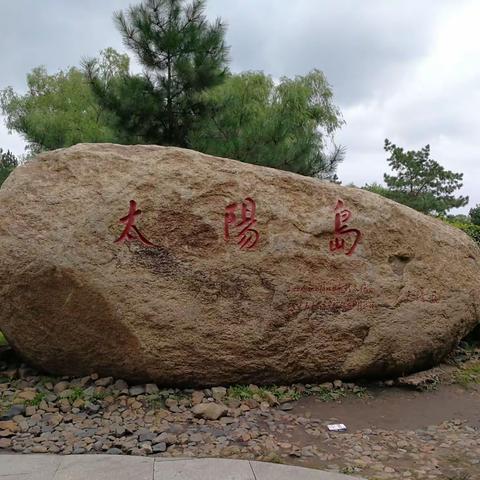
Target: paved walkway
{"type": "Point", "coordinates": [112, 467]}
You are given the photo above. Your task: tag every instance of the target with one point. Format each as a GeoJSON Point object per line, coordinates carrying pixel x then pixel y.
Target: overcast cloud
{"type": "Point", "coordinates": [400, 69]}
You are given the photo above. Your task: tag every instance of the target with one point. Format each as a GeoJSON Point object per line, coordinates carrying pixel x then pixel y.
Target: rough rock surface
{"type": "Point", "coordinates": [197, 309]}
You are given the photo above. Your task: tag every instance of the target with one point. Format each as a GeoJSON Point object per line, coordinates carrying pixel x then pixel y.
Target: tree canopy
{"type": "Point", "coordinates": [252, 119]}
{"type": "Point", "coordinates": [185, 97]}
{"type": "Point", "coordinates": [420, 182]}
{"type": "Point", "coordinates": [60, 110]}
{"type": "Point", "coordinates": [8, 162]}
{"type": "Point", "coordinates": [474, 215]}
{"type": "Point", "coordinates": [182, 53]}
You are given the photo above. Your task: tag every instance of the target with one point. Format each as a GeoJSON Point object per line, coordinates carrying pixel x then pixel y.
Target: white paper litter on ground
{"type": "Point", "coordinates": [337, 427]}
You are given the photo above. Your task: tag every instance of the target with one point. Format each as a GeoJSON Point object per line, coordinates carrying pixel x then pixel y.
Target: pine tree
{"type": "Point", "coordinates": [182, 53]}
{"type": "Point", "coordinates": [420, 182]}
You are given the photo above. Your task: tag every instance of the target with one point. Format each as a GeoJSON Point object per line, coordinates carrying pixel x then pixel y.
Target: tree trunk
{"type": "Point", "coordinates": [169, 100]}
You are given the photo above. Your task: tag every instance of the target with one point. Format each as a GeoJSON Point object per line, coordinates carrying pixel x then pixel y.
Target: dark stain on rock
{"type": "Point", "coordinates": [207, 285]}
{"type": "Point", "coordinates": [212, 283]}
{"type": "Point", "coordinates": [62, 322]}
{"type": "Point", "coordinates": [160, 261]}
{"type": "Point", "coordinates": [182, 230]}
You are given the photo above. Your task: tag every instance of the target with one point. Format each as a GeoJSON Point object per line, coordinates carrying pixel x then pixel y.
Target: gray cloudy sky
{"type": "Point", "coordinates": [406, 70]}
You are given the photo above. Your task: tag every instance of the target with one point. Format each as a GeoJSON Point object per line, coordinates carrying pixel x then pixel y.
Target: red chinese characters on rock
{"type": "Point", "coordinates": [342, 231]}
{"type": "Point", "coordinates": [239, 221]}
{"type": "Point", "coordinates": [243, 232]}
{"type": "Point", "coordinates": [129, 221]}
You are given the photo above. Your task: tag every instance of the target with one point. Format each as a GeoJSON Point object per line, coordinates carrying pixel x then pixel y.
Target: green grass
{"type": "Point", "coordinates": [3, 340]}
{"type": "Point", "coordinates": [361, 392]}
{"type": "Point", "coordinates": [468, 374]}
{"type": "Point", "coordinates": [241, 392]}
{"type": "Point", "coordinates": [244, 392]}
{"type": "Point", "coordinates": [326, 394]}
{"type": "Point", "coordinates": [155, 401]}
{"type": "Point", "coordinates": [284, 394]}
{"type": "Point", "coordinates": [77, 394]}
{"type": "Point", "coordinates": [177, 396]}
{"type": "Point", "coordinates": [99, 396]}
{"type": "Point", "coordinates": [348, 469]}
{"type": "Point", "coordinates": [39, 397]}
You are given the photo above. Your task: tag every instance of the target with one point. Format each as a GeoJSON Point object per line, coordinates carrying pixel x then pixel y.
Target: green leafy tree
{"type": "Point", "coordinates": [474, 215]}
{"type": "Point", "coordinates": [182, 53]}
{"type": "Point", "coordinates": [60, 110]}
{"type": "Point", "coordinates": [8, 162]}
{"type": "Point", "coordinates": [285, 125]}
{"type": "Point", "coordinates": [459, 218]}
{"type": "Point", "coordinates": [420, 182]}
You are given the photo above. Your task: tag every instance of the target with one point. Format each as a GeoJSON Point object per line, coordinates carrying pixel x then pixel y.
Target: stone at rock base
{"type": "Point", "coordinates": [13, 411]}
{"type": "Point", "coordinates": [196, 309]}
{"type": "Point", "coordinates": [136, 390]}
{"type": "Point", "coordinates": [151, 389]}
{"type": "Point", "coordinates": [428, 378]}
{"type": "Point", "coordinates": [159, 447]}
{"type": "Point", "coordinates": [60, 387]}
{"type": "Point", "coordinates": [209, 411]}
{"type": "Point", "coordinates": [5, 443]}
{"type": "Point", "coordinates": [28, 395]}
{"type": "Point", "coordinates": [197, 397]}
{"type": "Point", "coordinates": [104, 382]}
{"type": "Point", "coordinates": [30, 410]}
{"type": "Point", "coordinates": [219, 393]}
{"type": "Point", "coordinates": [9, 425]}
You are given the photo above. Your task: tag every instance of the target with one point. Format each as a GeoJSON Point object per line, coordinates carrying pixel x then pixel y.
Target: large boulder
{"type": "Point", "coordinates": [166, 265]}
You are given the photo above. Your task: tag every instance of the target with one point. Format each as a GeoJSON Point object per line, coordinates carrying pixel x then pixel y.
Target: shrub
{"type": "Point", "coordinates": [469, 228]}
{"type": "Point", "coordinates": [474, 215]}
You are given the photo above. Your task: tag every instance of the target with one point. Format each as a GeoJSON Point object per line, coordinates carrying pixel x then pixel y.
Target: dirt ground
{"type": "Point", "coordinates": [425, 426]}
{"type": "Point", "coordinates": [397, 408]}
{"type": "Point", "coordinates": [393, 433]}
